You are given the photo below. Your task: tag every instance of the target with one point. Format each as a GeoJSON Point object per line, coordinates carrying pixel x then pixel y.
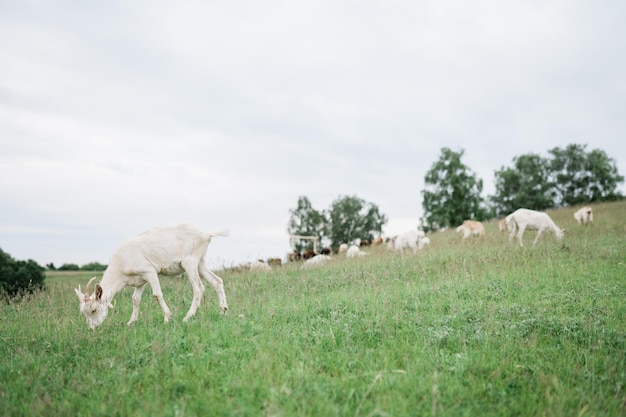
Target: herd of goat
{"type": "Point", "coordinates": [173, 250]}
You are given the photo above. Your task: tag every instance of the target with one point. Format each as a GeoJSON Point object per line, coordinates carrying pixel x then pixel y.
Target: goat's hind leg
{"type": "Point", "coordinates": [217, 283]}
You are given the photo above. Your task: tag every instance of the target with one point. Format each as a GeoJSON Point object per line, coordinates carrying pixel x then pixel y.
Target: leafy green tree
{"type": "Point", "coordinates": [452, 193]}
{"type": "Point", "coordinates": [527, 184]}
{"type": "Point", "coordinates": [304, 220]}
{"type": "Point", "coordinates": [353, 218]}
{"type": "Point", "coordinates": [582, 177]}
{"type": "Point", "coordinates": [18, 276]}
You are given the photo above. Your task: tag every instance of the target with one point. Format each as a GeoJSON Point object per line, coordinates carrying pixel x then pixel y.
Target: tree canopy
{"type": "Point", "coordinates": [567, 177]}
{"type": "Point", "coordinates": [452, 193]}
{"type": "Point", "coordinates": [349, 218]}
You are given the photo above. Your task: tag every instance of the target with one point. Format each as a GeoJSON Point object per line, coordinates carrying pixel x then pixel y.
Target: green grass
{"type": "Point", "coordinates": [474, 328]}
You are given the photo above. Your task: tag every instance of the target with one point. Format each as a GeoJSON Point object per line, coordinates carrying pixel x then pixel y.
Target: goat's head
{"type": "Point", "coordinates": [559, 233]}
{"type": "Point", "coordinates": [93, 307]}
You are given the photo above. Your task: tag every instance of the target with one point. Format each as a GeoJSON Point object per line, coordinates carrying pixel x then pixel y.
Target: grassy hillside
{"type": "Point", "coordinates": [472, 328]}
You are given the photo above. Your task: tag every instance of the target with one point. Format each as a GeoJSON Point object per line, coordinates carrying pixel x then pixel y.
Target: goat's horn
{"type": "Point", "coordinates": [88, 284]}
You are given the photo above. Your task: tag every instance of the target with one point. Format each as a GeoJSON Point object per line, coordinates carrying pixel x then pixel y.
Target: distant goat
{"type": "Point", "coordinates": [471, 228]}
{"type": "Point", "coordinates": [354, 251]}
{"type": "Point", "coordinates": [584, 215]}
{"type": "Point", "coordinates": [274, 261]}
{"type": "Point", "coordinates": [162, 251]}
{"type": "Point", "coordinates": [316, 261]}
{"type": "Point", "coordinates": [502, 226]}
{"type": "Point", "coordinates": [413, 239]}
{"type": "Point", "coordinates": [522, 219]}
{"type": "Point", "coordinates": [260, 265]}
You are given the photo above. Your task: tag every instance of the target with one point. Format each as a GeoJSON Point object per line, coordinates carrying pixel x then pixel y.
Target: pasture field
{"type": "Point", "coordinates": [475, 328]}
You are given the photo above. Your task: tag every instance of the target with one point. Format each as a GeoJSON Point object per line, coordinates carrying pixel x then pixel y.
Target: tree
{"type": "Point", "coordinates": [582, 177]}
{"type": "Point", "coordinates": [527, 185]}
{"type": "Point", "coordinates": [352, 218]}
{"type": "Point", "coordinates": [452, 193]}
{"type": "Point", "coordinates": [18, 276]}
{"type": "Point", "coordinates": [306, 221]}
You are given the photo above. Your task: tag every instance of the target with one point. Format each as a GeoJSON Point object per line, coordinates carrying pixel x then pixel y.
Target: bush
{"type": "Point", "coordinates": [19, 276]}
{"type": "Point", "coordinates": [69, 267]}
{"type": "Point", "coordinates": [93, 266]}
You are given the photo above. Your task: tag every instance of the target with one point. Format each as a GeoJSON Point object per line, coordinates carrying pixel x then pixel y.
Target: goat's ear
{"type": "Point", "coordinates": [98, 292]}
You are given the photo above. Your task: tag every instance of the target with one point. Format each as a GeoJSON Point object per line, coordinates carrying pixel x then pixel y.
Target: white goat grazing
{"type": "Point", "coordinates": [259, 266]}
{"type": "Point", "coordinates": [413, 239]}
{"type": "Point", "coordinates": [142, 259]}
{"type": "Point", "coordinates": [584, 215]}
{"type": "Point", "coordinates": [354, 251]}
{"type": "Point", "coordinates": [502, 226]}
{"type": "Point", "coordinates": [317, 260]}
{"type": "Point", "coordinates": [471, 228]}
{"type": "Point", "coordinates": [522, 219]}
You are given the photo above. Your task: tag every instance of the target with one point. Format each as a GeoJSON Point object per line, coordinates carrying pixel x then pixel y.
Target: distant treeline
{"type": "Point", "coordinates": [91, 266]}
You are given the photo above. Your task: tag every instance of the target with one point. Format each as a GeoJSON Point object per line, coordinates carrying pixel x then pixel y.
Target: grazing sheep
{"type": "Point", "coordinates": [308, 254]}
{"type": "Point", "coordinates": [471, 228]}
{"type": "Point", "coordinates": [502, 226]}
{"type": "Point", "coordinates": [142, 259]}
{"type": "Point", "coordinates": [325, 251]}
{"type": "Point", "coordinates": [377, 241]}
{"type": "Point", "coordinates": [584, 215]}
{"type": "Point", "coordinates": [343, 247]}
{"type": "Point", "coordinates": [522, 219]}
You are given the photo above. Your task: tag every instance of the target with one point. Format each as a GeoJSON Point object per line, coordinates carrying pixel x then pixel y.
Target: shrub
{"type": "Point", "coordinates": [19, 276]}
{"type": "Point", "coordinates": [69, 267]}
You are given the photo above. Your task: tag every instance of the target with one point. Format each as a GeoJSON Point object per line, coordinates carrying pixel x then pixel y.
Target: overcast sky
{"type": "Point", "coordinates": [119, 116]}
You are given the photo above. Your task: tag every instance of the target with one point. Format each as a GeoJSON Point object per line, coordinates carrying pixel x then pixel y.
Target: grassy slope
{"type": "Point", "coordinates": [472, 328]}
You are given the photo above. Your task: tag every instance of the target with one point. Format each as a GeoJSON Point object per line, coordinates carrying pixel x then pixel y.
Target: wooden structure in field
{"type": "Point", "coordinates": [292, 241]}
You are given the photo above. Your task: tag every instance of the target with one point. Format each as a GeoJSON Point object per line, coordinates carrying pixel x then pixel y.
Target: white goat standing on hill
{"type": "Point", "coordinates": [471, 228]}
{"type": "Point", "coordinates": [522, 219]}
{"type": "Point", "coordinates": [142, 259]}
{"type": "Point", "coordinates": [414, 239]}
{"type": "Point", "coordinates": [584, 215]}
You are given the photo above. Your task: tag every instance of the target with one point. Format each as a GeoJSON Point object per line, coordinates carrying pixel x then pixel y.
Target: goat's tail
{"type": "Point", "coordinates": [223, 233]}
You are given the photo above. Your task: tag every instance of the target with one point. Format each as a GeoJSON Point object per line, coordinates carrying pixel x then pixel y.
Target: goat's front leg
{"type": "Point", "coordinates": [198, 288]}
{"type": "Point", "coordinates": [136, 301]}
{"type": "Point", "coordinates": [153, 280]}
